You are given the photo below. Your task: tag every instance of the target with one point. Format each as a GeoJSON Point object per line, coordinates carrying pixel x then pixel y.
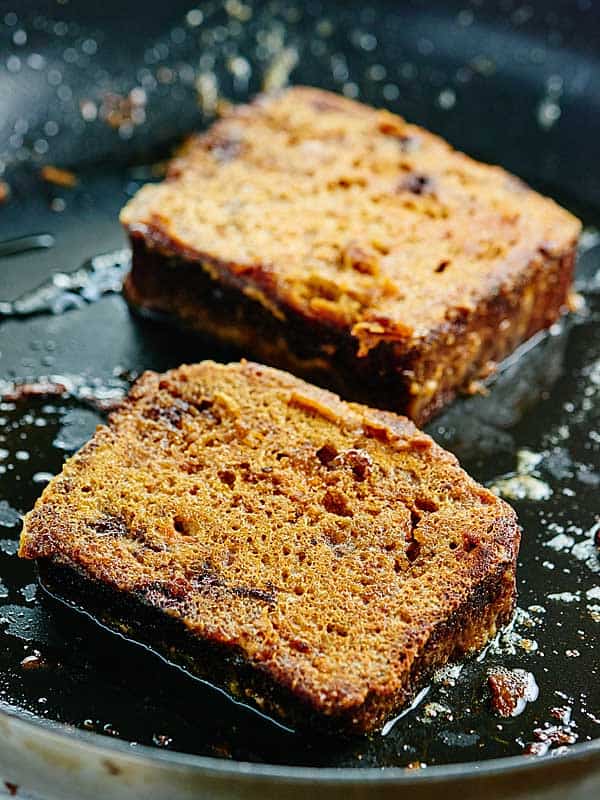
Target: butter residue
{"type": "Point", "coordinates": [522, 484]}
{"type": "Point", "coordinates": [522, 487]}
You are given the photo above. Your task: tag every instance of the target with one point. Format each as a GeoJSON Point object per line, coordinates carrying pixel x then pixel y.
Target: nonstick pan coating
{"type": "Point", "coordinates": [510, 83]}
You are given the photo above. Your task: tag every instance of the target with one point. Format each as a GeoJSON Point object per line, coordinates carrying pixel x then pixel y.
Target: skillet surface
{"type": "Point", "coordinates": [509, 83]}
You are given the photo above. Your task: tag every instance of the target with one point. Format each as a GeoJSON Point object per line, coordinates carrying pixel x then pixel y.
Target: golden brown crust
{"type": "Point", "coordinates": [327, 211]}
{"type": "Point", "coordinates": [333, 548]}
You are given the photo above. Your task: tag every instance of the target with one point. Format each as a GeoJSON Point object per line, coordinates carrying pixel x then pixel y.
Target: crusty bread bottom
{"type": "Point", "coordinates": [472, 625]}
{"type": "Point", "coordinates": [417, 382]}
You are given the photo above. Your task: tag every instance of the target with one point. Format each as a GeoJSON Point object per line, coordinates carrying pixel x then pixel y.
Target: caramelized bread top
{"type": "Point", "coordinates": [348, 215]}
{"type": "Point", "coordinates": [324, 541]}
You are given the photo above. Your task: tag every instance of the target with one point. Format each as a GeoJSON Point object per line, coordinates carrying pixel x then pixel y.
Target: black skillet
{"type": "Point", "coordinates": [517, 84]}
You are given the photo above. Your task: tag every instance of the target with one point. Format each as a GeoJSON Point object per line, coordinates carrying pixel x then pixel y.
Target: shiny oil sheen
{"type": "Point", "coordinates": [532, 438]}
{"type": "Point", "coordinates": [508, 82]}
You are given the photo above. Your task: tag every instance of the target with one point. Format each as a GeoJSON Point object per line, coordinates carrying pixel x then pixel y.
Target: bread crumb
{"type": "Point", "coordinates": [59, 177]}
{"type": "Point", "coordinates": [575, 302]}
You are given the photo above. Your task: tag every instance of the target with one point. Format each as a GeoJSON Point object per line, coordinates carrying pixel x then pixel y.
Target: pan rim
{"type": "Point", "coordinates": [225, 768]}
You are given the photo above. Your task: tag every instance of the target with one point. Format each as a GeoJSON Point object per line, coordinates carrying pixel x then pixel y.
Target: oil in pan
{"type": "Point", "coordinates": [535, 437]}
{"type": "Point", "coordinates": [535, 447]}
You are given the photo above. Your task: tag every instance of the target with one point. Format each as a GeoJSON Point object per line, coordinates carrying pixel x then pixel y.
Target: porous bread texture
{"type": "Point", "coordinates": [324, 210]}
{"type": "Point", "coordinates": [332, 548]}
{"type": "Point", "coordinates": [315, 199]}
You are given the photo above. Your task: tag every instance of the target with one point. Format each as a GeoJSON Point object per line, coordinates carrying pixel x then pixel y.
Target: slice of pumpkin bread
{"type": "Point", "coordinates": [315, 558]}
{"type": "Point", "coordinates": [344, 244]}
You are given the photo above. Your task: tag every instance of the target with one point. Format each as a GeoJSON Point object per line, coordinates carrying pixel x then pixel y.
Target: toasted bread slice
{"type": "Point", "coordinates": [342, 243]}
{"type": "Point", "coordinates": [314, 557]}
